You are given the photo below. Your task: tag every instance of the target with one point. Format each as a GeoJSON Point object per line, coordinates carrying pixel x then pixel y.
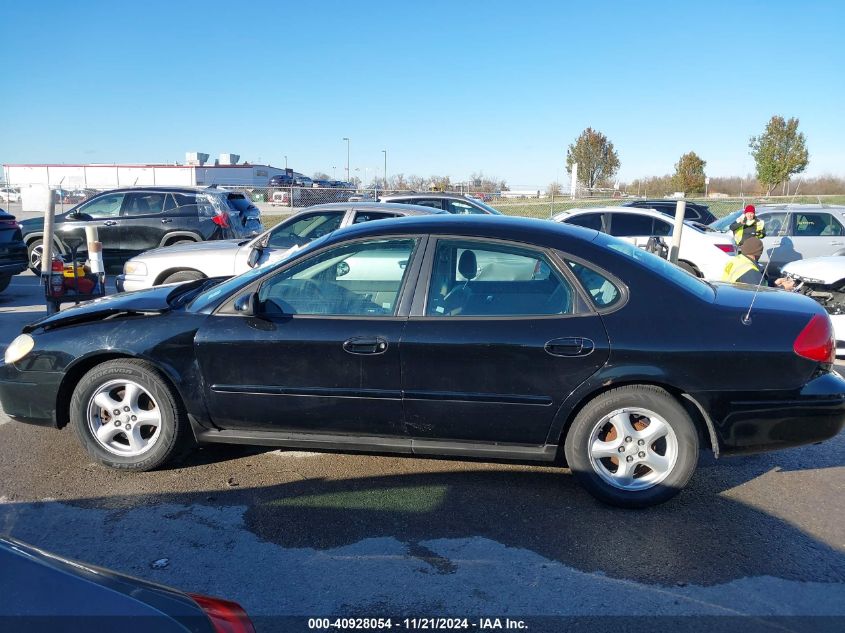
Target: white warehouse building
{"type": "Point", "coordinates": [197, 171]}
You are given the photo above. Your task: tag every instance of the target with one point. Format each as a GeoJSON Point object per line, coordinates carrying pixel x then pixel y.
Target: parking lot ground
{"type": "Point", "coordinates": [290, 533]}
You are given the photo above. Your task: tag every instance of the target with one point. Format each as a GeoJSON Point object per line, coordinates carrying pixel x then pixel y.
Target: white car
{"type": "Point", "coordinates": [10, 194]}
{"type": "Point", "coordinates": [823, 279]}
{"type": "Point", "coordinates": [223, 258]}
{"type": "Point", "coordinates": [702, 253]}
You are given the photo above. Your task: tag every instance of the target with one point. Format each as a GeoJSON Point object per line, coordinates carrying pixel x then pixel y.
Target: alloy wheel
{"type": "Point", "coordinates": [633, 449]}
{"type": "Point", "coordinates": [124, 418]}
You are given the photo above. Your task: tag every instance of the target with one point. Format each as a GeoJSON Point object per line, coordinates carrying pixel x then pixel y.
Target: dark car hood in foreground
{"type": "Point", "coordinates": [152, 300]}
{"type": "Point", "coordinates": [36, 584]}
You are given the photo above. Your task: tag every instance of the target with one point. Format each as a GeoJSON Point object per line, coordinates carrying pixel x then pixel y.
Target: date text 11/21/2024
{"type": "Point", "coordinates": [431, 624]}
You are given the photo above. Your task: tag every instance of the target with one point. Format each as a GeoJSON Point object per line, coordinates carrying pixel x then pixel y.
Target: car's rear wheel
{"type": "Point", "coordinates": [127, 416]}
{"type": "Point", "coordinates": [183, 275]}
{"type": "Point", "coordinates": [35, 251]}
{"type": "Point", "coordinates": [633, 446]}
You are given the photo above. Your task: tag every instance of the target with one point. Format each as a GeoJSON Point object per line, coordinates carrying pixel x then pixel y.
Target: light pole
{"type": "Point", "coordinates": [334, 172]}
{"type": "Point", "coordinates": [347, 157]}
{"type": "Point", "coordinates": [384, 151]}
{"type": "Point", "coordinates": [286, 162]}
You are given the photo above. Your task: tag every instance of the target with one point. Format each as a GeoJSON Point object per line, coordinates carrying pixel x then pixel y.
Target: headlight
{"type": "Point", "coordinates": [19, 348]}
{"type": "Point", "coordinates": [134, 268]}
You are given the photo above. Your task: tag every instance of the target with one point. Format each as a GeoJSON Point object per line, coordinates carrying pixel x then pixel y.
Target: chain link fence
{"type": "Point", "coordinates": [280, 201]}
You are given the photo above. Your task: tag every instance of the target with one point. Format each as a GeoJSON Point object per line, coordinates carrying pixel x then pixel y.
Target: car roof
{"type": "Point", "coordinates": [662, 202]}
{"type": "Point", "coordinates": [511, 228]}
{"type": "Point", "coordinates": [165, 189]}
{"type": "Point", "coordinates": [786, 206]}
{"type": "Point", "coordinates": [426, 194]}
{"type": "Point", "coordinates": [369, 205]}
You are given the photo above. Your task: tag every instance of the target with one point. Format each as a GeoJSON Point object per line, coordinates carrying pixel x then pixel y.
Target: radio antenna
{"type": "Point", "coordinates": [746, 320]}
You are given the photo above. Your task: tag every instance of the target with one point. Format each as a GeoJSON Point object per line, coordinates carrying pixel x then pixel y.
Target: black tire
{"type": "Point", "coordinates": [641, 397]}
{"type": "Point", "coordinates": [5, 280]}
{"type": "Point", "coordinates": [174, 437]}
{"type": "Point", "coordinates": [183, 275]}
{"type": "Point", "coordinates": [690, 268]}
{"type": "Point", "coordinates": [30, 247]}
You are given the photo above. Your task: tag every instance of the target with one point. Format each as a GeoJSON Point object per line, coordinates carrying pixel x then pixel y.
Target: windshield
{"type": "Point", "coordinates": [489, 209]}
{"type": "Point", "coordinates": [722, 224]}
{"type": "Point", "coordinates": [658, 265]}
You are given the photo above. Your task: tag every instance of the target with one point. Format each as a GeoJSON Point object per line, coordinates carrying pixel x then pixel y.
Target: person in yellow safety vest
{"type": "Point", "coordinates": [748, 225]}
{"type": "Point", "coordinates": [743, 268]}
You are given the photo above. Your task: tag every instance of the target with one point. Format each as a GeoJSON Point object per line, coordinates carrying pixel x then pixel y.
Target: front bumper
{"type": "Point", "coordinates": [29, 396]}
{"type": "Point", "coordinates": [129, 283]}
{"type": "Point", "coordinates": [764, 421]}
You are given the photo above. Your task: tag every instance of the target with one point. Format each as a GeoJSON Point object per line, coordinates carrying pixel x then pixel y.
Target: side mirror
{"type": "Point", "coordinates": [247, 305]}
{"type": "Point", "coordinates": [254, 256]}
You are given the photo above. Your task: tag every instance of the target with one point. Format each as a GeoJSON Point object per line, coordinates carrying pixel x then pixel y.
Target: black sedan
{"type": "Point", "coordinates": [492, 338]}
{"type": "Point", "coordinates": [45, 592]}
{"type": "Point", "coordinates": [13, 256]}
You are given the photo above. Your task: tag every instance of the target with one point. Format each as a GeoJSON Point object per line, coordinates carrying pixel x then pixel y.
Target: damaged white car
{"type": "Point", "coordinates": [823, 279]}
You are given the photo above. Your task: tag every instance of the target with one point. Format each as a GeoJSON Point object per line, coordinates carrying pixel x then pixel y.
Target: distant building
{"type": "Point", "coordinates": [196, 172]}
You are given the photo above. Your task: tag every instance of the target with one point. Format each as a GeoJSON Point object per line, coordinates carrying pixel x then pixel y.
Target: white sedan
{"type": "Point", "coordinates": [223, 258]}
{"type": "Point", "coordinates": [702, 253]}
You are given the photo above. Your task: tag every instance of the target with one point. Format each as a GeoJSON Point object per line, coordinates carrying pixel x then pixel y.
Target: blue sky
{"type": "Point", "coordinates": [448, 88]}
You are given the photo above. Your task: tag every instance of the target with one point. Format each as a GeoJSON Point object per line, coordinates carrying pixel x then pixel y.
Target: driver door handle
{"type": "Point", "coordinates": [360, 345]}
{"type": "Point", "coordinates": [110, 223]}
{"type": "Point", "coordinates": [570, 346]}
{"type": "Point", "coordinates": [166, 220]}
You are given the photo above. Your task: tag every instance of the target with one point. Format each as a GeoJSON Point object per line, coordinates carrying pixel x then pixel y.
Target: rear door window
{"type": "Point", "coordinates": [143, 203]}
{"type": "Point", "coordinates": [587, 220]}
{"type": "Point", "coordinates": [367, 216]}
{"type": "Point", "coordinates": [488, 280]}
{"type": "Point", "coordinates": [630, 225]}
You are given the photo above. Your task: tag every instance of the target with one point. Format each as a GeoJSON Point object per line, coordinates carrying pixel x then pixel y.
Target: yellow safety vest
{"type": "Point", "coordinates": [737, 267]}
{"type": "Point", "coordinates": [758, 230]}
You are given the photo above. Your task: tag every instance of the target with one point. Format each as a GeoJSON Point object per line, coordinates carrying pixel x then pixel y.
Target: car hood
{"type": "Point", "coordinates": [825, 270]}
{"type": "Point", "coordinates": [149, 301]}
{"type": "Point", "coordinates": [204, 249]}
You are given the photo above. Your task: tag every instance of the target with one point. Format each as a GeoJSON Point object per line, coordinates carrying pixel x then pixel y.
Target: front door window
{"type": "Point", "coordinates": [359, 279]}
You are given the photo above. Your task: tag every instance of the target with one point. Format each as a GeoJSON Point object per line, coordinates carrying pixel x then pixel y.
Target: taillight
{"type": "Point", "coordinates": [816, 341]}
{"type": "Point", "coordinates": [9, 223]}
{"type": "Point", "coordinates": [728, 248]}
{"type": "Point", "coordinates": [225, 616]}
{"type": "Point", "coordinates": [221, 220]}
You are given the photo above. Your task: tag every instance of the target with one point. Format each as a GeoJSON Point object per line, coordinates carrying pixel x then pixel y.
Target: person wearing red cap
{"type": "Point", "coordinates": [748, 225]}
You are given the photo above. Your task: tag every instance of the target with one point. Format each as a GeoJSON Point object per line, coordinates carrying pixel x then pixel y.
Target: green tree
{"type": "Point", "coordinates": [780, 152]}
{"type": "Point", "coordinates": [596, 158]}
{"type": "Point", "coordinates": [553, 189]}
{"type": "Point", "coordinates": [689, 174]}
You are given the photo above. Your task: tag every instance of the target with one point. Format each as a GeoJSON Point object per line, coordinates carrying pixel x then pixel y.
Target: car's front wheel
{"type": "Point", "coordinates": [183, 275]}
{"type": "Point", "coordinates": [633, 446]}
{"type": "Point", "coordinates": [127, 416]}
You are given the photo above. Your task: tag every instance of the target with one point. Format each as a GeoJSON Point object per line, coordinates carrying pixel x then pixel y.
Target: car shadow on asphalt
{"type": "Point", "coordinates": [704, 536]}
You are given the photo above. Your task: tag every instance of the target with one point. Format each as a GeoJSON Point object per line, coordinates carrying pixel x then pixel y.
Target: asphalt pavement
{"type": "Point", "coordinates": [290, 533]}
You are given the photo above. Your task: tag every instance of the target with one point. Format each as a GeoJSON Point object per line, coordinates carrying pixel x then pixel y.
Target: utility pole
{"type": "Point", "coordinates": [347, 157]}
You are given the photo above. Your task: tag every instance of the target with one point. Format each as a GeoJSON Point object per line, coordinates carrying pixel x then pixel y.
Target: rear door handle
{"type": "Point", "coordinates": [166, 220]}
{"type": "Point", "coordinates": [110, 223]}
{"type": "Point", "coordinates": [571, 346]}
{"type": "Point", "coordinates": [360, 345]}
